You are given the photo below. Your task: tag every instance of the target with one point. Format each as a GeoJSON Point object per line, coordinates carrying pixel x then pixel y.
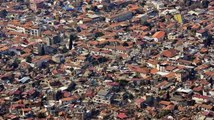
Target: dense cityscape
{"type": "Point", "coordinates": [106, 59]}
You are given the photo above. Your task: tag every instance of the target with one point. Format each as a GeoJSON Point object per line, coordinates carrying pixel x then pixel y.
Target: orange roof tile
{"type": "Point", "coordinates": [4, 48]}
{"type": "Point", "coordinates": [208, 107]}
{"type": "Point", "coordinates": [203, 50]}
{"type": "Point", "coordinates": [171, 75]}
{"type": "Point", "coordinates": [69, 99]}
{"type": "Point", "coordinates": [159, 34]}
{"type": "Point", "coordinates": [209, 73]}
{"type": "Point", "coordinates": [170, 68]}
{"type": "Point", "coordinates": [165, 102]}
{"type": "Point", "coordinates": [154, 71]}
{"type": "Point", "coordinates": [162, 84]}
{"type": "Point", "coordinates": [169, 53]}
{"type": "Point", "coordinates": [138, 69]}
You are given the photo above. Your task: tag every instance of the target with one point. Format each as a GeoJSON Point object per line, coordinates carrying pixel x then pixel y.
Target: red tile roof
{"type": "Point", "coordinates": [169, 53]}
{"type": "Point", "coordinates": [165, 102]}
{"type": "Point", "coordinates": [200, 96]}
{"type": "Point", "coordinates": [154, 71]}
{"type": "Point", "coordinates": [138, 69]}
{"type": "Point", "coordinates": [159, 34]}
{"type": "Point", "coordinates": [209, 73]}
{"type": "Point", "coordinates": [3, 48]}
{"type": "Point", "coordinates": [122, 116]}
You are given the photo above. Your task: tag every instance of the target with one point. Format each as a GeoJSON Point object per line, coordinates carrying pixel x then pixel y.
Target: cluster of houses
{"type": "Point", "coordinates": [107, 59]}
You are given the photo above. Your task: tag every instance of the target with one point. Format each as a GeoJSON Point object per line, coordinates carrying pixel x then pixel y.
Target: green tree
{"type": "Point", "coordinates": [28, 59]}
{"type": "Point", "coordinates": [162, 113]}
{"type": "Point", "coordinates": [98, 34]}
